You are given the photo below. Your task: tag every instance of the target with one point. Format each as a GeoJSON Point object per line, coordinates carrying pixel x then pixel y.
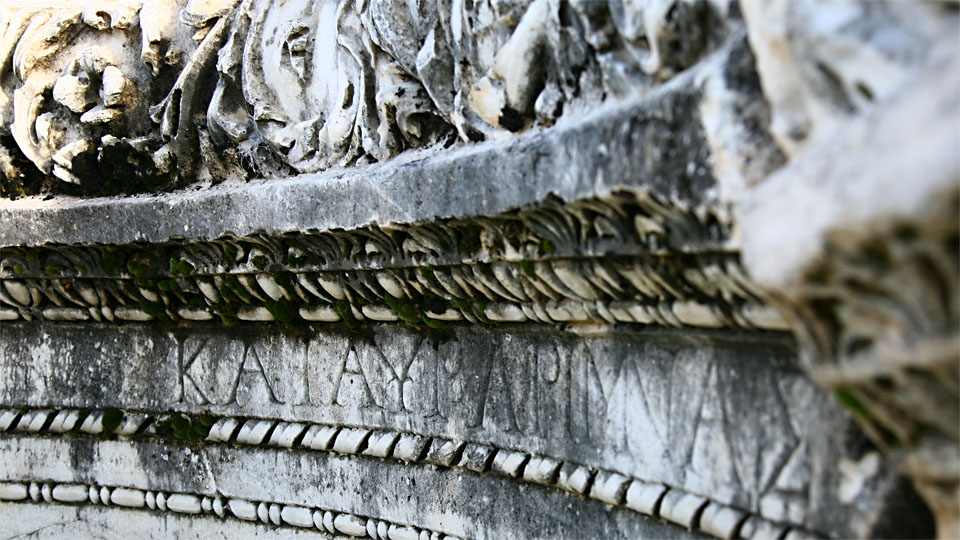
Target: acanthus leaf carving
{"type": "Point", "coordinates": [144, 95]}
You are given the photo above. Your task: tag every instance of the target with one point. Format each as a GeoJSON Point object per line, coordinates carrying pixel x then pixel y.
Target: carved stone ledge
{"type": "Point", "coordinates": [268, 513]}
{"type": "Point", "coordinates": [627, 258]}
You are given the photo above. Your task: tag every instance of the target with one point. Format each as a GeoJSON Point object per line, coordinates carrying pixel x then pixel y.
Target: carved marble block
{"type": "Point", "coordinates": [479, 269]}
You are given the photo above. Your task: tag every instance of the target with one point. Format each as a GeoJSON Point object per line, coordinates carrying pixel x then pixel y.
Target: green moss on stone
{"type": "Point", "coordinates": [54, 269]}
{"type": "Point", "coordinates": [180, 266]}
{"type": "Point", "coordinates": [111, 420]}
{"type": "Point", "coordinates": [342, 308]}
{"type": "Point", "coordinates": [851, 403]}
{"type": "Point", "coordinates": [260, 262]}
{"type": "Point", "coordinates": [282, 310]}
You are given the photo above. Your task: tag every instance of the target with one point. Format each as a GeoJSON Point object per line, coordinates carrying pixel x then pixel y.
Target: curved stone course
{"type": "Point", "coordinates": [651, 499]}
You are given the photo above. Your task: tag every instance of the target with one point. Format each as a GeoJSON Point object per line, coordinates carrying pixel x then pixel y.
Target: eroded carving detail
{"type": "Point", "coordinates": [266, 512]}
{"type": "Point", "coordinates": [822, 64]}
{"type": "Point", "coordinates": [878, 321]}
{"type": "Point", "coordinates": [603, 261]}
{"type": "Point", "coordinates": [654, 499]}
{"type": "Point", "coordinates": [142, 95]}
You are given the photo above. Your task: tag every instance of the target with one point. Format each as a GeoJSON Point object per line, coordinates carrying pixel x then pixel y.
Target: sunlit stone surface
{"type": "Point", "coordinates": [548, 269]}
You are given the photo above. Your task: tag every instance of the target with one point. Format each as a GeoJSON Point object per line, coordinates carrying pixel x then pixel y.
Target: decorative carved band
{"type": "Point", "coordinates": [656, 500]}
{"type": "Point", "coordinates": [139, 95]}
{"type": "Point", "coordinates": [627, 258]}
{"type": "Point", "coordinates": [266, 512]}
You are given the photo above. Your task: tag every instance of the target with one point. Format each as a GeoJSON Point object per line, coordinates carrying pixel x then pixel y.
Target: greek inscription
{"type": "Point", "coordinates": [208, 370]}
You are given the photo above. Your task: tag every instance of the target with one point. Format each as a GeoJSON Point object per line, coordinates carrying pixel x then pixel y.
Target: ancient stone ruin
{"type": "Point", "coordinates": [479, 269]}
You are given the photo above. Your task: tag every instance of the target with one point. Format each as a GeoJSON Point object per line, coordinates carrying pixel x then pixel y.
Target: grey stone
{"type": "Point", "coordinates": [479, 269]}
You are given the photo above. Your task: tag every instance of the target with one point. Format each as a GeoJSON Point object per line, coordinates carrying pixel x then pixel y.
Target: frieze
{"type": "Point", "coordinates": [628, 258]}
{"type": "Point", "coordinates": [144, 95]}
{"type": "Point", "coordinates": [641, 406]}
{"type": "Point", "coordinates": [651, 499]}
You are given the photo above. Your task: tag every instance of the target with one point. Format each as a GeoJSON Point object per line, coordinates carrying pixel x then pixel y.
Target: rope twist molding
{"type": "Point", "coordinates": [628, 258]}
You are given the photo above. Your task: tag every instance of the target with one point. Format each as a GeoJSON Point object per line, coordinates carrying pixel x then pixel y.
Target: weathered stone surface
{"type": "Point", "coordinates": [870, 284]}
{"type": "Point", "coordinates": [553, 269]}
{"type": "Point", "coordinates": [713, 416]}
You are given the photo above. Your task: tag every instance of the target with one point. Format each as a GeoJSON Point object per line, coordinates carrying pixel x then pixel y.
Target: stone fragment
{"type": "Point", "coordinates": [223, 429]}
{"type": "Point", "coordinates": [274, 513]}
{"type": "Point", "coordinates": [505, 313]}
{"type": "Point", "coordinates": [541, 470]}
{"type": "Point", "coordinates": [33, 421]}
{"type": "Point", "coordinates": [254, 431]}
{"type": "Point", "coordinates": [756, 528]}
{"type": "Point", "coordinates": [609, 487]}
{"type": "Point", "coordinates": [63, 422]}
{"type": "Point", "coordinates": [131, 314]}
{"type": "Point", "coordinates": [65, 314]}
{"type": "Point", "coordinates": [645, 497]}
{"type": "Point", "coordinates": [379, 313]}
{"type": "Point", "coordinates": [476, 457]}
{"type": "Point", "coordinates": [509, 463]}
{"type": "Point", "coordinates": [286, 433]}
{"type": "Point", "coordinates": [242, 509]}
{"type": "Point", "coordinates": [350, 440]}
{"type": "Point", "coordinates": [396, 532]}
{"type": "Point", "coordinates": [380, 444]}
{"type": "Point", "coordinates": [8, 419]}
{"type": "Point", "coordinates": [575, 478]}
{"type": "Point", "coordinates": [195, 314]}
{"type": "Point", "coordinates": [319, 437]}
{"type": "Point", "coordinates": [721, 521]}
{"type": "Point", "coordinates": [93, 423]}
{"type": "Point", "coordinates": [320, 313]}
{"type": "Point", "coordinates": [263, 512]}
{"type": "Point", "coordinates": [260, 314]}
{"type": "Point", "coordinates": [444, 452]}
{"type": "Point", "coordinates": [411, 447]}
